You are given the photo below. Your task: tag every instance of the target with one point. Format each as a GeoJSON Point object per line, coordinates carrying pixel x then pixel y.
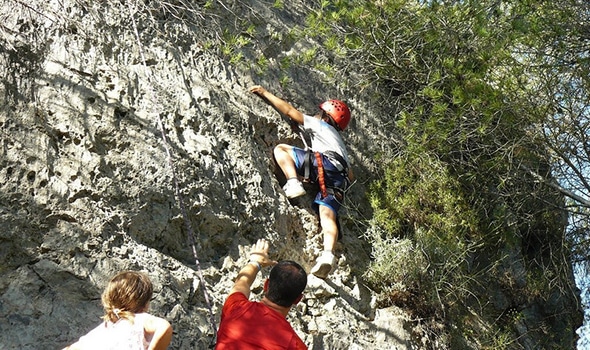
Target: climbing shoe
{"type": "Point", "coordinates": [294, 189]}
{"type": "Point", "coordinates": [324, 265]}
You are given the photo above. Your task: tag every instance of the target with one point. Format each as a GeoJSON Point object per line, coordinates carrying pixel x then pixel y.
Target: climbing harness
{"type": "Point", "coordinates": [337, 191]}
{"type": "Point", "coordinates": [189, 228]}
{"type": "Point", "coordinates": [321, 175]}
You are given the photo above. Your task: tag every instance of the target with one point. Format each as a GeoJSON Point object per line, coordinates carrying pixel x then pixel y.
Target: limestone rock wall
{"type": "Point", "coordinates": [87, 187]}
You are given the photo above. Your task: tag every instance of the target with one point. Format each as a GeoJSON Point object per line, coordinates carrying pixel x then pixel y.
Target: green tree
{"type": "Point", "coordinates": [463, 78]}
{"type": "Point", "coordinates": [557, 52]}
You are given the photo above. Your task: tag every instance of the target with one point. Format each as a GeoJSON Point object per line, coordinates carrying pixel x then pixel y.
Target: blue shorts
{"type": "Point", "coordinates": [332, 177]}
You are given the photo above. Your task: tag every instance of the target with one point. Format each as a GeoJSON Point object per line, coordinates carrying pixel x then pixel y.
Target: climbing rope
{"type": "Point", "coordinates": [189, 228]}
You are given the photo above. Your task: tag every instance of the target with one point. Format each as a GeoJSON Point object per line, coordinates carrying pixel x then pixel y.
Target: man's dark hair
{"type": "Point", "coordinates": [286, 282]}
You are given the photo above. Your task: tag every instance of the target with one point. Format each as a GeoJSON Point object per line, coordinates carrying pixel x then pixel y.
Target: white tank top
{"type": "Point", "coordinates": [121, 335]}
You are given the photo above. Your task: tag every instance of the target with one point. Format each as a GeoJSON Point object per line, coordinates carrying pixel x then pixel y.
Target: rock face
{"type": "Point", "coordinates": [101, 153]}
{"type": "Point", "coordinates": [88, 188]}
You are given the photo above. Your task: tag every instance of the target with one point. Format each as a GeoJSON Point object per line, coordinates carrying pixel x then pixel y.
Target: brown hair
{"type": "Point", "coordinates": [127, 293]}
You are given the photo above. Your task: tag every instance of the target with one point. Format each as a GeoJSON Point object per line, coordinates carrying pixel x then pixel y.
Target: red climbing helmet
{"type": "Point", "coordinates": [338, 111]}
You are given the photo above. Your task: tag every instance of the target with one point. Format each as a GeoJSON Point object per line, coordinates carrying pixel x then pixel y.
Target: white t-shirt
{"type": "Point", "coordinates": [122, 335]}
{"type": "Point", "coordinates": [324, 137]}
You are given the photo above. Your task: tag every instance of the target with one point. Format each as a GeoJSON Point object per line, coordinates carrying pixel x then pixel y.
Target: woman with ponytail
{"type": "Point", "coordinates": [127, 324]}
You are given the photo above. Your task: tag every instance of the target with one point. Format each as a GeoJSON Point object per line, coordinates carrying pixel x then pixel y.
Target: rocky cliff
{"type": "Point", "coordinates": [108, 133]}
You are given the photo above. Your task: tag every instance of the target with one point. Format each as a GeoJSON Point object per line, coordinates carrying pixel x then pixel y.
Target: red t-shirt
{"type": "Point", "coordinates": [249, 325]}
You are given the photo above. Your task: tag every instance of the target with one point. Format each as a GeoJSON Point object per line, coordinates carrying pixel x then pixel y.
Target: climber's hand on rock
{"type": "Point", "coordinates": [259, 253]}
{"type": "Point", "coordinates": [258, 90]}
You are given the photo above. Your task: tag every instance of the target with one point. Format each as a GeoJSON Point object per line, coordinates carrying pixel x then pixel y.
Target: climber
{"type": "Point", "coordinates": [326, 162]}
{"type": "Point", "coordinates": [127, 325]}
{"type": "Point", "coordinates": [247, 325]}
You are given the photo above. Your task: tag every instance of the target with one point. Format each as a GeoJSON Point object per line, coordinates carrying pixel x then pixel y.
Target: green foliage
{"type": "Point", "coordinates": [419, 192]}
{"type": "Point", "coordinates": [232, 45]}
{"type": "Point", "coordinates": [308, 55]}
{"type": "Point", "coordinates": [397, 268]}
{"type": "Point", "coordinates": [418, 203]}
{"type": "Point", "coordinates": [286, 62]}
{"type": "Point", "coordinates": [278, 4]}
{"type": "Point", "coordinates": [262, 63]}
{"type": "Point", "coordinates": [461, 197]}
{"type": "Point", "coordinates": [284, 81]}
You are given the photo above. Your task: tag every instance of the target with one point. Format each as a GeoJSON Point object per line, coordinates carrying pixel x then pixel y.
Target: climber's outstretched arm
{"type": "Point", "coordinates": [279, 104]}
